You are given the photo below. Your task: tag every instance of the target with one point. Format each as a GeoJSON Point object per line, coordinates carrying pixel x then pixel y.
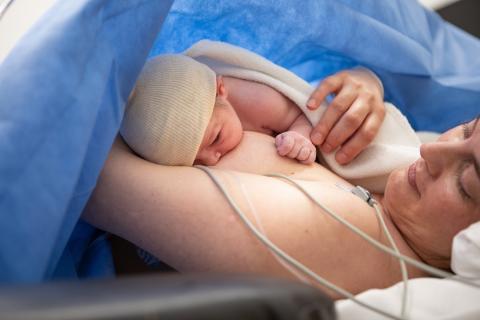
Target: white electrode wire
{"type": "Point", "coordinates": [425, 267]}
{"type": "Point", "coordinates": [366, 196]}
{"type": "Point", "coordinates": [283, 255]}
{"type": "Point", "coordinates": [403, 266]}
{"type": "Point", "coordinates": [252, 209]}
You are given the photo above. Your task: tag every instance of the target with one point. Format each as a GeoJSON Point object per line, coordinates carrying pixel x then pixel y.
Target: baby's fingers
{"type": "Point", "coordinates": [284, 143]}
{"type": "Point", "coordinates": [295, 151]}
{"type": "Point", "coordinates": [360, 140]}
{"type": "Point", "coordinates": [308, 155]}
{"type": "Point", "coordinates": [304, 153]}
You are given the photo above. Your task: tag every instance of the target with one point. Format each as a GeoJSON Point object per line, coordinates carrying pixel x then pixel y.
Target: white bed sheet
{"type": "Point", "coordinates": [429, 298]}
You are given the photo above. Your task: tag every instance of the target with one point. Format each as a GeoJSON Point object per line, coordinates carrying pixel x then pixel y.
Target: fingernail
{"type": "Point", "coordinates": [341, 157]}
{"type": "Point", "coordinates": [311, 103]}
{"type": "Point", "coordinates": [317, 138]}
{"type": "Point", "coordinates": [326, 148]}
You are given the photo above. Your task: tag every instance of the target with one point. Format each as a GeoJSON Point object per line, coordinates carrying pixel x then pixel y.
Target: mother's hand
{"type": "Point", "coordinates": [353, 118]}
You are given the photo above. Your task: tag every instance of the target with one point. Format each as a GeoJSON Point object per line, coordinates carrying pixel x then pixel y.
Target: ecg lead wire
{"type": "Point", "coordinates": [287, 258]}
{"type": "Point", "coordinates": [423, 266]}
{"type": "Point", "coordinates": [299, 266]}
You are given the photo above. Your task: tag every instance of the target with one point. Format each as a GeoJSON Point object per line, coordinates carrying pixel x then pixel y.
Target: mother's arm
{"type": "Point", "coordinates": [179, 215]}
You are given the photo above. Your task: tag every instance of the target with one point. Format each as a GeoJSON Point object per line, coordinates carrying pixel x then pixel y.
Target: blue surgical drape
{"type": "Point", "coordinates": [62, 93]}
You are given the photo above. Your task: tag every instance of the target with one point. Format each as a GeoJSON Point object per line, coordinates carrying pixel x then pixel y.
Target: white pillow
{"type": "Point", "coordinates": [428, 299]}
{"type": "Point", "coordinates": [466, 252]}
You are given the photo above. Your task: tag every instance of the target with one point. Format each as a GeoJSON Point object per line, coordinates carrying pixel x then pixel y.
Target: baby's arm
{"type": "Point", "coordinates": [295, 142]}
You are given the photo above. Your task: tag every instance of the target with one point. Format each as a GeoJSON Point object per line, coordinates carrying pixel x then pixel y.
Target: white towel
{"type": "Point", "coordinates": [396, 144]}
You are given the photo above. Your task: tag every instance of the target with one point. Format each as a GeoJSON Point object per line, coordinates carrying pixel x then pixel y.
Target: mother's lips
{"type": "Point", "coordinates": [412, 176]}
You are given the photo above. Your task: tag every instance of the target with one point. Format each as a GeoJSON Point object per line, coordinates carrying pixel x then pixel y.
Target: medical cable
{"type": "Point", "coordinates": [403, 266]}
{"type": "Point", "coordinates": [309, 272]}
{"type": "Point", "coordinates": [252, 209]}
{"type": "Point", "coordinates": [423, 266]}
{"type": "Point", "coordinates": [365, 195]}
{"type": "Point", "coordinates": [287, 258]}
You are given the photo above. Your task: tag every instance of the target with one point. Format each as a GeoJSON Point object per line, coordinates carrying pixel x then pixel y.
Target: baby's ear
{"type": "Point", "coordinates": [221, 90]}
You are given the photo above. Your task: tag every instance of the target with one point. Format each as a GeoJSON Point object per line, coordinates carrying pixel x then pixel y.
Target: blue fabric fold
{"type": "Point", "coordinates": [62, 94]}
{"type": "Point", "coordinates": [431, 69]}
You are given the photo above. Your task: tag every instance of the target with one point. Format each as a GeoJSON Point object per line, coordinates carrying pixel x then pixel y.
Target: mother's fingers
{"type": "Point", "coordinates": [347, 124]}
{"type": "Point", "coordinates": [333, 113]}
{"type": "Point", "coordinates": [329, 85]}
{"type": "Point", "coordinates": [362, 137]}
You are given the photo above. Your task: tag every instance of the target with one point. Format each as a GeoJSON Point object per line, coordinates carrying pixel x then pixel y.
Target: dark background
{"type": "Point", "coordinates": [464, 14]}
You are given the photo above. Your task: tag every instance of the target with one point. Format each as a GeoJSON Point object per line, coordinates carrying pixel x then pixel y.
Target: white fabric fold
{"type": "Point", "coordinates": [466, 252]}
{"type": "Point", "coordinates": [428, 299]}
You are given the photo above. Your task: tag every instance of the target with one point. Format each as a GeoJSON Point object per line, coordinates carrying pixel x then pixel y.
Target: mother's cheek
{"type": "Point", "coordinates": [398, 199]}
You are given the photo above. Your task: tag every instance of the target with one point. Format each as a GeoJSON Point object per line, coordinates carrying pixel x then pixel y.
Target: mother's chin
{"type": "Point", "coordinates": [410, 217]}
{"type": "Point", "coordinates": [399, 197]}
{"type": "Point", "coordinates": [396, 195]}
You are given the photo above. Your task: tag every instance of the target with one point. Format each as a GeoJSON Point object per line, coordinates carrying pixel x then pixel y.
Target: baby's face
{"type": "Point", "coordinates": [223, 134]}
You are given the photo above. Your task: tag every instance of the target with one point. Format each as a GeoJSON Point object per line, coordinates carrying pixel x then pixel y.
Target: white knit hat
{"type": "Point", "coordinates": [169, 109]}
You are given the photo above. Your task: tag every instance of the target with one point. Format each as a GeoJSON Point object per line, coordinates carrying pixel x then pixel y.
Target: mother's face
{"type": "Point", "coordinates": [439, 194]}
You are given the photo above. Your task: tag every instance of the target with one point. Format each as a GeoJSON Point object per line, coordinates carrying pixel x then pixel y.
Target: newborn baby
{"type": "Point", "coordinates": [246, 105]}
{"type": "Point", "coordinates": [192, 108]}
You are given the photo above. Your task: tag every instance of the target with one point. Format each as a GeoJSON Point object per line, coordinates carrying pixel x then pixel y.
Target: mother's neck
{"type": "Point", "coordinates": [409, 246]}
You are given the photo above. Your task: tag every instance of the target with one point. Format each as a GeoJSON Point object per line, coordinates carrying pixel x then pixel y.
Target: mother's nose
{"type": "Point", "coordinates": [440, 155]}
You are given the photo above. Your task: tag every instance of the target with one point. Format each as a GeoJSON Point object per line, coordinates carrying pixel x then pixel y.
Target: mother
{"type": "Point", "coordinates": [179, 215]}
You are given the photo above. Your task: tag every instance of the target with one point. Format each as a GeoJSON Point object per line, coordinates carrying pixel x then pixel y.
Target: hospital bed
{"type": "Point", "coordinates": [63, 84]}
{"type": "Point", "coordinates": [166, 297]}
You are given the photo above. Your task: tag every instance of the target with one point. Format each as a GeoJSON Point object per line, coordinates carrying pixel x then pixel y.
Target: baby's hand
{"type": "Point", "coordinates": [295, 146]}
{"type": "Point", "coordinates": [353, 118]}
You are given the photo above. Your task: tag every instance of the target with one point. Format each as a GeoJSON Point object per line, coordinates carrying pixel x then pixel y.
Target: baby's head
{"type": "Point", "coordinates": [179, 114]}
